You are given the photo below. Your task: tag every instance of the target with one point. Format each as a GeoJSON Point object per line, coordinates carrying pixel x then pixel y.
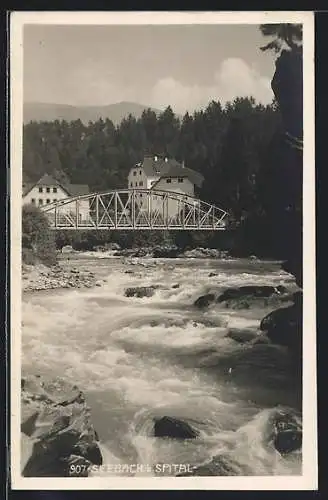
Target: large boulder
{"type": "Point", "coordinates": [250, 291]}
{"type": "Point", "coordinates": [57, 434]}
{"type": "Point", "coordinates": [202, 253]}
{"type": "Point", "coordinates": [168, 252]}
{"type": "Point", "coordinates": [241, 335]}
{"type": "Point", "coordinates": [140, 291]}
{"type": "Point", "coordinates": [287, 432]}
{"type": "Point", "coordinates": [245, 296]}
{"type": "Point", "coordinates": [204, 300]}
{"type": "Point", "coordinates": [284, 326]}
{"type": "Point", "coordinates": [173, 428]}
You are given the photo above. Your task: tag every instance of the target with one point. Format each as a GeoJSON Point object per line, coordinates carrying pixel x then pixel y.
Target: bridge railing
{"type": "Point", "coordinates": [135, 209]}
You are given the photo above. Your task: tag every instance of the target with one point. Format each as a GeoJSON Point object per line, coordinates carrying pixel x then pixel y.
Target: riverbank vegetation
{"type": "Point", "coordinates": [38, 240]}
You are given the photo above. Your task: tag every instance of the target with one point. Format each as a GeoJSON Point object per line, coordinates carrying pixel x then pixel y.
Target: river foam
{"type": "Point", "coordinates": [138, 358]}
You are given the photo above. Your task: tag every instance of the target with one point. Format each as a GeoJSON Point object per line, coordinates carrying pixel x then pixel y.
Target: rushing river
{"type": "Point", "coordinates": [136, 358]}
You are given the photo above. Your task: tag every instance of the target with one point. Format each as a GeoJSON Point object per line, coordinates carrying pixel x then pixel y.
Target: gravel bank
{"type": "Point", "coordinates": [41, 277]}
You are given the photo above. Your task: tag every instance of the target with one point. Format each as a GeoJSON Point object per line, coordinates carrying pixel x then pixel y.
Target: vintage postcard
{"type": "Point", "coordinates": [162, 251]}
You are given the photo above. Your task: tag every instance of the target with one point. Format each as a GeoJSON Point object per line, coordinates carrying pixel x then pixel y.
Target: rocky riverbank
{"type": "Point", "coordinates": [282, 326]}
{"type": "Point", "coordinates": [66, 275]}
{"type": "Point", "coordinates": [172, 252]}
{"type": "Point", "coordinates": [41, 277]}
{"type": "Point", "coordinates": [57, 436]}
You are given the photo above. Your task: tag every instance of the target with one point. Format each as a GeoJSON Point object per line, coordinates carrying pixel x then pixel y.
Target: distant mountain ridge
{"type": "Point", "coordinates": [37, 111]}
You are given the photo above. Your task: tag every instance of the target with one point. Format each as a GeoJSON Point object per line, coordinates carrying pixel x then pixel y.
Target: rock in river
{"type": "Point", "coordinates": [173, 428]}
{"type": "Point", "coordinates": [204, 300]}
{"type": "Point", "coordinates": [140, 291]}
{"type": "Point", "coordinates": [250, 290]}
{"type": "Point", "coordinates": [244, 296]}
{"type": "Point", "coordinates": [56, 429]}
{"type": "Point", "coordinates": [202, 253]}
{"type": "Point", "coordinates": [287, 433]}
{"type": "Point", "coordinates": [288, 441]}
{"type": "Point", "coordinates": [284, 326]}
{"type": "Point", "coordinates": [169, 252]}
{"type": "Point", "coordinates": [241, 335]}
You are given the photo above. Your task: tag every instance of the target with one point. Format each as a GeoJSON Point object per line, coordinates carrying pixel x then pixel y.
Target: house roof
{"type": "Point", "coordinates": [27, 186]}
{"type": "Point", "coordinates": [170, 168]}
{"type": "Point", "coordinates": [48, 180]}
{"type": "Point", "coordinates": [152, 167]}
{"type": "Point", "coordinates": [77, 189]}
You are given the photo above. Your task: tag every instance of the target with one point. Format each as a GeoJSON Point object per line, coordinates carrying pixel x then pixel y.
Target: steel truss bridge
{"type": "Point", "coordinates": [135, 209]}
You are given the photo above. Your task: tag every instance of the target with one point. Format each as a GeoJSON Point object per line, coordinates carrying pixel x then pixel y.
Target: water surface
{"type": "Point", "coordinates": [139, 358]}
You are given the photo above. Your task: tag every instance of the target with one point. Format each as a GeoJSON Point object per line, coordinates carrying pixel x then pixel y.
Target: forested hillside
{"type": "Point", "coordinates": [38, 111]}
{"type": "Point", "coordinates": [228, 145]}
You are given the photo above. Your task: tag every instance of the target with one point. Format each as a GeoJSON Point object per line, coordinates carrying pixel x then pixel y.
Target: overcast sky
{"type": "Point", "coordinates": [185, 66]}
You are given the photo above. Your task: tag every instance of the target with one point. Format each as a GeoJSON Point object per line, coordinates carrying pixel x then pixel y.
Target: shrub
{"type": "Point", "coordinates": [37, 238]}
{"type": "Point", "coordinates": [28, 257]}
{"type": "Point", "coordinates": [82, 240]}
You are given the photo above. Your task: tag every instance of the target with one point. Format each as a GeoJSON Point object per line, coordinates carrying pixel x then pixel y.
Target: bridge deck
{"type": "Point", "coordinates": [135, 209]}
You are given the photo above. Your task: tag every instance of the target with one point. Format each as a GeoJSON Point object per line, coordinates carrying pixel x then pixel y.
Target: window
{"type": "Point", "coordinates": [134, 172]}
{"type": "Point", "coordinates": [33, 201]}
{"type": "Point", "coordinates": [40, 202]}
{"type": "Point", "coordinates": [54, 190]}
{"type": "Point", "coordinates": [131, 184]}
{"type": "Point", "coordinates": [55, 200]}
{"type": "Point", "coordinates": [40, 189]}
{"type": "Point", "coordinates": [48, 190]}
{"type": "Point", "coordinates": [140, 172]}
{"type": "Point", "coordinates": [141, 183]}
{"type": "Point", "coordinates": [180, 179]}
{"type": "Point", "coordinates": [136, 184]}
{"type": "Point", "coordinates": [168, 181]}
{"type": "Point", "coordinates": [48, 201]}
{"type": "Point", "coordinates": [140, 195]}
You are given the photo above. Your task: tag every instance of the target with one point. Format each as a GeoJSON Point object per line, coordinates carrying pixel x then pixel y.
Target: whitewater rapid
{"type": "Point", "coordinates": [137, 358]}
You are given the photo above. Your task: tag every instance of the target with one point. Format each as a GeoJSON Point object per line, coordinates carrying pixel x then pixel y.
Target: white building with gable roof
{"type": "Point", "coordinates": [48, 190]}
{"type": "Point", "coordinates": [163, 174]}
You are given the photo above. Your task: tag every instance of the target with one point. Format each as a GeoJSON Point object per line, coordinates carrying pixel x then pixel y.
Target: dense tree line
{"type": "Point", "coordinates": [228, 144]}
